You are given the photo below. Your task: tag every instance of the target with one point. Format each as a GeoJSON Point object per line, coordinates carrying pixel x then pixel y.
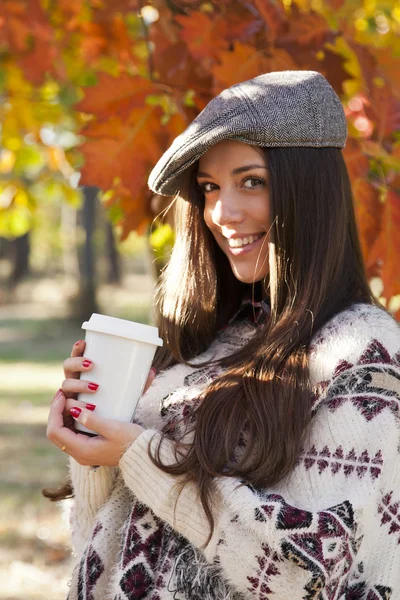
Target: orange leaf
{"type": "Point", "coordinates": [273, 14]}
{"type": "Point", "coordinates": [369, 215]}
{"type": "Point", "coordinates": [386, 250]}
{"type": "Point", "coordinates": [205, 37]}
{"type": "Point", "coordinates": [244, 62]}
{"type": "Point", "coordinates": [135, 207]}
{"type": "Point", "coordinates": [116, 95]}
{"type": "Point", "coordinates": [357, 163]}
{"type": "Point", "coordinates": [384, 110]}
{"type": "Point", "coordinates": [243, 22]}
{"type": "Point", "coordinates": [307, 29]}
{"type": "Point", "coordinates": [181, 72]}
{"type": "Point", "coordinates": [94, 41]}
{"type": "Point", "coordinates": [122, 149]}
{"type": "Point", "coordinates": [14, 25]}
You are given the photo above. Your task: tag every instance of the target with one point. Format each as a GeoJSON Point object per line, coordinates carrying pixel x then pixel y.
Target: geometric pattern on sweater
{"type": "Point", "coordinates": [151, 550]}
{"type": "Point", "coordinates": [141, 550]}
{"type": "Point", "coordinates": [321, 543]}
{"type": "Point", "coordinates": [90, 570]}
{"type": "Point", "coordinates": [360, 384]}
{"type": "Point", "coordinates": [268, 567]}
{"type": "Point", "coordinates": [390, 514]}
{"type": "Point", "coordinates": [362, 591]}
{"type": "Point", "coordinates": [338, 460]}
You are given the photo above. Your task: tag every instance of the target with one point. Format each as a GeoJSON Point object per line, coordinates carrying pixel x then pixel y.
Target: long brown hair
{"type": "Point", "coordinates": [316, 270]}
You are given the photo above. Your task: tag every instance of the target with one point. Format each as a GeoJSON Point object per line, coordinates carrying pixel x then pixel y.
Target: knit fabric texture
{"type": "Point", "coordinates": [329, 531]}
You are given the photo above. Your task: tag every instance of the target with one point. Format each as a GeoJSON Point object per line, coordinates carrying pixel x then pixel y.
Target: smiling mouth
{"type": "Point", "coordinates": [244, 241]}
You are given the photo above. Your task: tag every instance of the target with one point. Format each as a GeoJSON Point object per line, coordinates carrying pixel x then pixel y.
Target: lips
{"type": "Point", "coordinates": [239, 242]}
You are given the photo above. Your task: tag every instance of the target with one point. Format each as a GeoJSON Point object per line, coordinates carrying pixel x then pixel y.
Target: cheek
{"type": "Point", "coordinates": [207, 215]}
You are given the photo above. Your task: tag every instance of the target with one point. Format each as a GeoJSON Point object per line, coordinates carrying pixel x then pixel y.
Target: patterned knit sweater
{"type": "Point", "coordinates": [329, 531]}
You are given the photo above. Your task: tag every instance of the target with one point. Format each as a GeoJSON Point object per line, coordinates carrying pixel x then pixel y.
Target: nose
{"type": "Point", "coordinates": [227, 209]}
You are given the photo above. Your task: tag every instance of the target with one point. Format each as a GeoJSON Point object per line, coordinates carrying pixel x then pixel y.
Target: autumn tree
{"type": "Point", "coordinates": [102, 88]}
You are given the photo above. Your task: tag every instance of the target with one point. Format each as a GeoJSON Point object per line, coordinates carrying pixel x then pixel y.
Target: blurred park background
{"type": "Point", "coordinates": [92, 93]}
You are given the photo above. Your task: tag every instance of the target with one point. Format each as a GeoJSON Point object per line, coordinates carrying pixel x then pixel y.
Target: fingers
{"type": "Point", "coordinates": [78, 348]}
{"type": "Point", "coordinates": [73, 366]}
{"type": "Point", "coordinates": [110, 429]}
{"type": "Point", "coordinates": [57, 433]}
{"type": "Point", "coordinates": [71, 387]}
{"type": "Point", "coordinates": [71, 402]}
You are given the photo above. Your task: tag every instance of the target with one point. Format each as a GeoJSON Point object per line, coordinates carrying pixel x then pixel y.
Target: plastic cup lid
{"type": "Point", "coordinates": [123, 328]}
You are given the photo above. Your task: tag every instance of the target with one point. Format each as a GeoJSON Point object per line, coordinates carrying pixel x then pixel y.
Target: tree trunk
{"type": "Point", "coordinates": [69, 240]}
{"type": "Point", "coordinates": [84, 303]}
{"type": "Point", "coordinates": [21, 251]}
{"type": "Point", "coordinates": [114, 262]}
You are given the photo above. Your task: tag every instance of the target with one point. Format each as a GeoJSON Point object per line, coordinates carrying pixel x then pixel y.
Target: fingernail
{"type": "Point", "coordinates": [75, 411]}
{"type": "Point", "coordinates": [77, 343]}
{"type": "Point", "coordinates": [93, 386]}
{"type": "Point", "coordinates": [154, 371]}
{"type": "Point", "coordinates": [87, 363]}
{"type": "Point", "coordinates": [90, 406]}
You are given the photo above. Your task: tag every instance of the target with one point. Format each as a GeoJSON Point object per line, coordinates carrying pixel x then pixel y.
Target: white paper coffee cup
{"type": "Point", "coordinates": [122, 352]}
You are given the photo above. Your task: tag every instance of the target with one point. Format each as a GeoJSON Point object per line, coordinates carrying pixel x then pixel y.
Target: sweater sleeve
{"type": "Point", "coordinates": [334, 525]}
{"type": "Point", "coordinates": [92, 487]}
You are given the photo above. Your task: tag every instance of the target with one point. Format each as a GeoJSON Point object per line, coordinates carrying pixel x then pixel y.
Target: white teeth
{"type": "Point", "coordinates": [239, 242]}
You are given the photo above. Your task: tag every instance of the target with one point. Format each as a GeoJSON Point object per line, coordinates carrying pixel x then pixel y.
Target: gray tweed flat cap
{"type": "Point", "coordinates": [283, 108]}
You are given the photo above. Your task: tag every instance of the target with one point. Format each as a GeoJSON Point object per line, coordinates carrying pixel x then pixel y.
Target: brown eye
{"type": "Point", "coordinates": [259, 182]}
{"type": "Point", "coordinates": [204, 189]}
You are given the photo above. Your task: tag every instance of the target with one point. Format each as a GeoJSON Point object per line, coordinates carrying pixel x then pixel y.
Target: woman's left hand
{"type": "Point", "coordinates": [105, 449]}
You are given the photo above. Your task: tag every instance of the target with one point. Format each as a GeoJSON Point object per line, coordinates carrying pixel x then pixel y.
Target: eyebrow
{"type": "Point", "coordinates": [235, 171]}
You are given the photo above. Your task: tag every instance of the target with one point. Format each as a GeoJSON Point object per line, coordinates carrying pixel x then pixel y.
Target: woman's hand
{"type": "Point", "coordinates": [114, 436]}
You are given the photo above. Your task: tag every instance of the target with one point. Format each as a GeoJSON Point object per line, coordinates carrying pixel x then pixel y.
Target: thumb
{"type": "Point", "coordinates": [107, 428]}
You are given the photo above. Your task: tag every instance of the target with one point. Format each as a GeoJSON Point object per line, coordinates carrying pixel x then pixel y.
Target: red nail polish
{"type": "Point", "coordinates": [90, 406]}
{"type": "Point", "coordinates": [75, 411]}
{"type": "Point", "coordinates": [154, 371]}
{"type": "Point", "coordinates": [87, 363]}
{"type": "Point", "coordinates": [93, 386]}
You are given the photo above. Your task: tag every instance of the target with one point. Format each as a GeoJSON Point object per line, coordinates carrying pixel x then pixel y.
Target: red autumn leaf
{"type": "Point", "coordinates": [387, 66]}
{"type": "Point", "coordinates": [93, 42]}
{"type": "Point", "coordinates": [122, 149]}
{"type": "Point", "coordinates": [114, 96]}
{"type": "Point", "coordinates": [383, 109]}
{"type": "Point", "coordinates": [181, 72]}
{"type": "Point", "coordinates": [332, 66]}
{"type": "Point", "coordinates": [103, 11]}
{"type": "Point", "coordinates": [244, 22]}
{"type": "Point", "coordinates": [14, 25]}
{"type": "Point", "coordinates": [307, 29]}
{"type": "Point", "coordinates": [369, 215]}
{"type": "Point", "coordinates": [274, 16]}
{"type": "Point", "coordinates": [386, 250]}
{"type": "Point", "coordinates": [356, 162]}
{"type": "Point", "coordinates": [244, 62]}
{"type": "Point", "coordinates": [205, 37]}
{"type": "Point", "coordinates": [136, 213]}
{"type": "Point", "coordinates": [337, 4]}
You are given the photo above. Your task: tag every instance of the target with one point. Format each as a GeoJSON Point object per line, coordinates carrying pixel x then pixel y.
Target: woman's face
{"type": "Point", "coordinates": [234, 179]}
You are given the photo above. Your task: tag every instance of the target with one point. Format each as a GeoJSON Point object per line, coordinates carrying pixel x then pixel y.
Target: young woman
{"type": "Point", "coordinates": [263, 461]}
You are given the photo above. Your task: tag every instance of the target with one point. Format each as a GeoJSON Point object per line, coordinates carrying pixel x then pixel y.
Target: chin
{"type": "Point", "coordinates": [248, 278]}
